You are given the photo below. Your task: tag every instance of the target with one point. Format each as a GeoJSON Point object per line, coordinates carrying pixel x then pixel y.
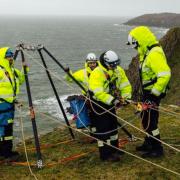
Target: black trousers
{"type": "Point", "coordinates": [150, 120]}
{"type": "Point", "coordinates": [7, 145]}
{"type": "Point", "coordinates": [106, 129]}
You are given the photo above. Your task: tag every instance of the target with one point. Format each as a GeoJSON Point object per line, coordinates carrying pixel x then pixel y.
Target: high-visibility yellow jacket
{"type": "Point", "coordinates": [82, 76]}
{"type": "Point", "coordinates": [153, 63]}
{"type": "Point", "coordinates": [101, 79]}
{"type": "Point", "coordinates": [10, 78]}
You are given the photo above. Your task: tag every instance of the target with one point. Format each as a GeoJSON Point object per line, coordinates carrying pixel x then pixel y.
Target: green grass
{"type": "Point", "coordinates": [89, 166]}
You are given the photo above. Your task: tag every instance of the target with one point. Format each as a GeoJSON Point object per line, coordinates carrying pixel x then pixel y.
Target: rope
{"type": "Point", "coordinates": [107, 132]}
{"type": "Point", "coordinates": [69, 158]}
{"type": "Point", "coordinates": [24, 143]}
{"type": "Point", "coordinates": [62, 80]}
{"type": "Point", "coordinates": [177, 116]}
{"type": "Point", "coordinates": [53, 74]}
{"type": "Point", "coordinates": [96, 111]}
{"type": "Point", "coordinates": [157, 165]}
{"type": "Point", "coordinates": [173, 113]}
{"type": "Point", "coordinates": [61, 161]}
{"type": "Point", "coordinates": [149, 120]}
{"type": "Point", "coordinates": [147, 134]}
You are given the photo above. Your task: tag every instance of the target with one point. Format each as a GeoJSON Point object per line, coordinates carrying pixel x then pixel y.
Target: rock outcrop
{"type": "Point", "coordinates": [167, 20]}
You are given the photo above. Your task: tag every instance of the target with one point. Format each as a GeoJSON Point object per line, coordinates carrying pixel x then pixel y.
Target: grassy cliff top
{"type": "Point", "coordinates": [78, 159]}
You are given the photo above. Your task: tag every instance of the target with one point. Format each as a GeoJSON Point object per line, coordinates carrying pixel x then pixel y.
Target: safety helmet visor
{"type": "Point", "coordinates": [132, 42]}
{"type": "Point", "coordinates": [111, 59]}
{"type": "Point", "coordinates": [113, 64]}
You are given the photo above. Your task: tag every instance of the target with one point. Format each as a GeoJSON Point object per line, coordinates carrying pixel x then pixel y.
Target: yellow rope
{"type": "Point", "coordinates": [24, 143]}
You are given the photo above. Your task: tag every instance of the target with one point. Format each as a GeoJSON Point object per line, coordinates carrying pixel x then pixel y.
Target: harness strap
{"type": "Point", "coordinates": [140, 69]}
{"type": "Point", "coordinates": [10, 80]}
{"type": "Point", "coordinates": [150, 83]}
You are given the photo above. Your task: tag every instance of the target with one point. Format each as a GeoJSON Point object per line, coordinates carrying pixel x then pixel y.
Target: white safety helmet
{"type": "Point", "coordinates": [91, 57]}
{"type": "Point", "coordinates": [111, 59]}
{"type": "Point", "coordinates": [132, 42]}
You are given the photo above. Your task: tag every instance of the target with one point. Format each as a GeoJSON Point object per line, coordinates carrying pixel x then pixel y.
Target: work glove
{"type": "Point", "coordinates": [82, 97]}
{"type": "Point", "coordinates": [124, 102]}
{"type": "Point", "coordinates": [116, 103]}
{"type": "Point", "coordinates": [18, 104]}
{"type": "Point", "coordinates": [66, 69]}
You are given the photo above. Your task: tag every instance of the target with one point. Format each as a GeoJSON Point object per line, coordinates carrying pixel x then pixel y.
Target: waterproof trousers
{"type": "Point", "coordinates": [6, 125]}
{"type": "Point", "coordinates": [6, 143]}
{"type": "Point", "coordinates": [150, 121]}
{"type": "Point", "coordinates": [105, 128]}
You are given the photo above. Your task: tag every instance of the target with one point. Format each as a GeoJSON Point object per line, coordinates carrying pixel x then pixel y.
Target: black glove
{"type": "Point", "coordinates": [66, 69]}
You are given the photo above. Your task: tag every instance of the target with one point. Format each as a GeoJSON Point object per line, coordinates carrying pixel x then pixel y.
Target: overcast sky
{"type": "Point", "coordinates": [88, 7]}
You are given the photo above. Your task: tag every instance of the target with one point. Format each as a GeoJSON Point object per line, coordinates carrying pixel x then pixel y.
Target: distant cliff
{"type": "Point", "coordinates": [167, 20]}
{"type": "Point", "coordinates": [171, 45]}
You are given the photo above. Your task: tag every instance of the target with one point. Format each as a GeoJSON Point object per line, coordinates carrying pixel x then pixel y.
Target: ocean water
{"type": "Point", "coordinates": [69, 39]}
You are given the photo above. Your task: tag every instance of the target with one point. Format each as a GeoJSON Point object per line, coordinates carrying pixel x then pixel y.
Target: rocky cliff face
{"type": "Point", "coordinates": [167, 20]}
{"type": "Point", "coordinates": [171, 45]}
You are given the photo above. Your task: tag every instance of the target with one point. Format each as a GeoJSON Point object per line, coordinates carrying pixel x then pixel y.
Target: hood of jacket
{"type": "Point", "coordinates": [88, 69]}
{"type": "Point", "coordinates": [3, 61]}
{"type": "Point", "coordinates": [145, 39]}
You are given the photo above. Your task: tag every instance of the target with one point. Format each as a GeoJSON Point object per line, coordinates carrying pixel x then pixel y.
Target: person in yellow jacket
{"type": "Point", "coordinates": [107, 85]}
{"type": "Point", "coordinates": [82, 75]}
{"type": "Point", "coordinates": [77, 102]}
{"type": "Point", "coordinates": [10, 80]}
{"type": "Point", "coordinates": [154, 75]}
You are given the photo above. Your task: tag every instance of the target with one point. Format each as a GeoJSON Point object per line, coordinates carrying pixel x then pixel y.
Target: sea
{"type": "Point", "coordinates": [69, 39]}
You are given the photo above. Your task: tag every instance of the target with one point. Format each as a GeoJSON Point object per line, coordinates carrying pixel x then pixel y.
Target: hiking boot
{"type": "Point", "coordinates": [114, 158]}
{"type": "Point", "coordinates": [153, 154]}
{"type": "Point", "coordinates": [1, 154]}
{"type": "Point", "coordinates": [12, 156]}
{"type": "Point", "coordinates": [120, 152]}
{"type": "Point", "coordinates": [144, 147]}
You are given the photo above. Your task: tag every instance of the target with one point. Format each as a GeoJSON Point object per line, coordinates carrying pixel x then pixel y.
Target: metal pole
{"type": "Point", "coordinates": [16, 54]}
{"type": "Point", "coordinates": [32, 114]}
{"type": "Point", "coordinates": [124, 129]}
{"type": "Point", "coordinates": [55, 92]}
{"type": "Point", "coordinates": [64, 69]}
